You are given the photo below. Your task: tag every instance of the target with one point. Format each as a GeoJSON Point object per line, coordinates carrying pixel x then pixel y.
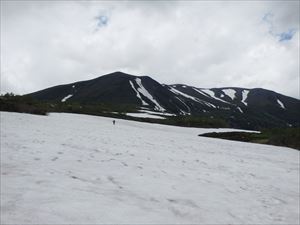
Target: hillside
{"type": "Point", "coordinates": [240, 107]}
{"type": "Point", "coordinates": [79, 169]}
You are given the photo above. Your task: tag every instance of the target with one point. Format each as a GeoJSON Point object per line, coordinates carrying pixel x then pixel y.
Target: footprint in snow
{"type": "Point", "coordinates": [124, 164]}
{"type": "Point", "coordinates": [113, 181]}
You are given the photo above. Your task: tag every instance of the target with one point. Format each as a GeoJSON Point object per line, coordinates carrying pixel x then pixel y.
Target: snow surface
{"type": "Point", "coordinates": [280, 104]}
{"type": "Point", "coordinates": [66, 98]}
{"type": "Point", "coordinates": [144, 115]}
{"type": "Point", "coordinates": [79, 169]}
{"type": "Point", "coordinates": [144, 92]}
{"type": "Point", "coordinates": [245, 96]}
{"type": "Point", "coordinates": [230, 93]}
{"type": "Point", "coordinates": [138, 94]}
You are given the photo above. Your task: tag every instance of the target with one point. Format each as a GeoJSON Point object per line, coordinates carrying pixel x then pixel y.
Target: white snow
{"type": "Point", "coordinates": [79, 169]}
{"type": "Point", "coordinates": [210, 105]}
{"type": "Point", "coordinates": [73, 86]}
{"type": "Point", "coordinates": [208, 92]}
{"type": "Point", "coordinates": [211, 94]}
{"type": "Point", "coordinates": [157, 113]}
{"type": "Point", "coordinates": [144, 92]}
{"type": "Point", "coordinates": [177, 92]}
{"type": "Point", "coordinates": [240, 109]}
{"type": "Point", "coordinates": [144, 115]}
{"type": "Point", "coordinates": [138, 94]}
{"type": "Point", "coordinates": [280, 104]}
{"type": "Point", "coordinates": [66, 98]}
{"type": "Point", "coordinates": [230, 93]}
{"type": "Point", "coordinates": [188, 108]}
{"type": "Point", "coordinates": [245, 96]}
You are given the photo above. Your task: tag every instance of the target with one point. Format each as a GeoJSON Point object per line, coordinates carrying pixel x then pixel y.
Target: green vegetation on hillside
{"type": "Point", "coordinates": [289, 137]}
{"type": "Point", "coordinates": [24, 104]}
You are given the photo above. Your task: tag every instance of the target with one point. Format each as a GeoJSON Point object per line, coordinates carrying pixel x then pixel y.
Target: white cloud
{"type": "Point", "coordinates": [205, 44]}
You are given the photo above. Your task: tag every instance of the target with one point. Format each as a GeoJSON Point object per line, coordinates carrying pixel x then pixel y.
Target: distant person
{"type": "Point", "coordinates": [114, 122]}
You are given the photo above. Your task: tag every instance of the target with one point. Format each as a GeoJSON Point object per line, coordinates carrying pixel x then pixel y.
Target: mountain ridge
{"type": "Point", "coordinates": [257, 106]}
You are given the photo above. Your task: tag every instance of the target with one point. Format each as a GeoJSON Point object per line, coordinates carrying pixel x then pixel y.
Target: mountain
{"type": "Point", "coordinates": [240, 107]}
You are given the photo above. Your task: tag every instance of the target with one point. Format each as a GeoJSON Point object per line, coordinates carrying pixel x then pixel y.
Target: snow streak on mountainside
{"type": "Point", "coordinates": [78, 169]}
{"type": "Point", "coordinates": [143, 90]}
{"type": "Point", "coordinates": [281, 104]}
{"type": "Point", "coordinates": [138, 94]}
{"type": "Point", "coordinates": [66, 98]}
{"type": "Point", "coordinates": [245, 96]}
{"type": "Point", "coordinates": [212, 95]}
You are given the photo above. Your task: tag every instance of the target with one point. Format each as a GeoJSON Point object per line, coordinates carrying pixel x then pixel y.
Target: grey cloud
{"type": "Point", "coordinates": [205, 44]}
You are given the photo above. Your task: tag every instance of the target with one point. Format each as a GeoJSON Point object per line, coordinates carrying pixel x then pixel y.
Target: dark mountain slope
{"type": "Point", "coordinates": [241, 107]}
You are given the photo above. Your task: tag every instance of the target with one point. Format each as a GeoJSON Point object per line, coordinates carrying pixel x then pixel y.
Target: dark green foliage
{"type": "Point", "coordinates": [196, 121]}
{"type": "Point", "coordinates": [289, 137]}
{"type": "Point", "coordinates": [23, 104]}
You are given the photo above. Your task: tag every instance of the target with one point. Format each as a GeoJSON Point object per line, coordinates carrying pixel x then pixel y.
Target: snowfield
{"type": "Point", "coordinates": [79, 169]}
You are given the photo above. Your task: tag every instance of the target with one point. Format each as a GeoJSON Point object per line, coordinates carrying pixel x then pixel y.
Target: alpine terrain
{"type": "Point", "coordinates": [240, 107]}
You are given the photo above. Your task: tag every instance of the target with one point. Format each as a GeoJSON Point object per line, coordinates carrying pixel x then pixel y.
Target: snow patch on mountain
{"type": "Point", "coordinates": [144, 115]}
{"type": "Point", "coordinates": [182, 112]}
{"type": "Point", "coordinates": [230, 93]}
{"type": "Point", "coordinates": [66, 98]}
{"type": "Point", "coordinates": [138, 94]}
{"type": "Point", "coordinates": [177, 92]}
{"type": "Point", "coordinates": [280, 104]}
{"type": "Point", "coordinates": [211, 94]}
{"type": "Point", "coordinates": [245, 96]}
{"type": "Point", "coordinates": [144, 92]}
{"type": "Point", "coordinates": [157, 113]}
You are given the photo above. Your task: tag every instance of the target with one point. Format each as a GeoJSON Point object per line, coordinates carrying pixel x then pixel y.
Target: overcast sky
{"type": "Point", "coordinates": [199, 43]}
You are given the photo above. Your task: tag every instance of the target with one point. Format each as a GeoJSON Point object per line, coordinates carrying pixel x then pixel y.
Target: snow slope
{"type": "Point", "coordinates": [78, 169]}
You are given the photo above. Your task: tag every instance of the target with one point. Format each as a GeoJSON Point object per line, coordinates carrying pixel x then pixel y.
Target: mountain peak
{"type": "Point", "coordinates": [119, 74]}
